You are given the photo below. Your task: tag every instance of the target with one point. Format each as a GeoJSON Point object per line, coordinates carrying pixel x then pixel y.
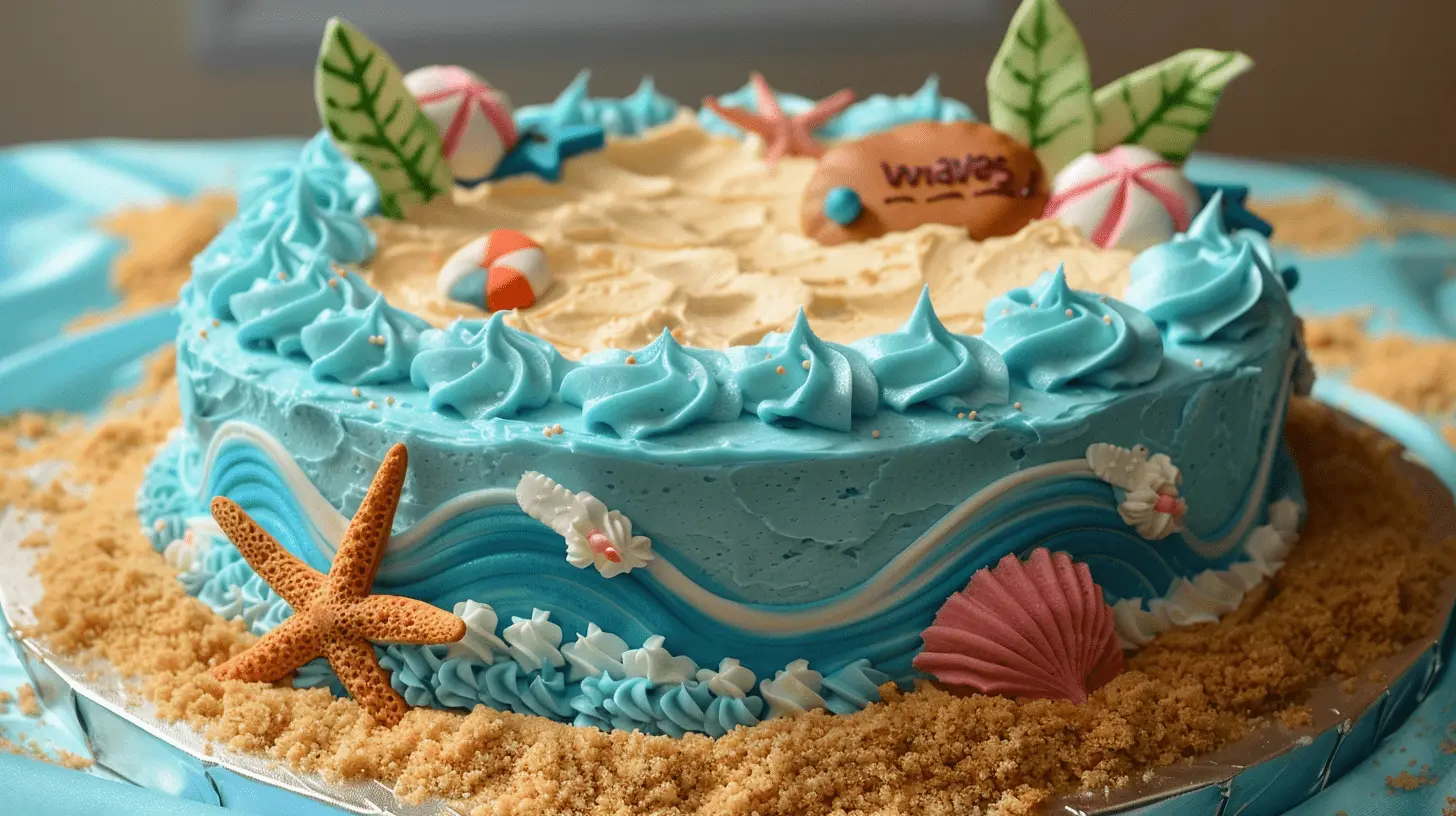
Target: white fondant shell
{"type": "Point", "coordinates": [1145, 479]}
{"type": "Point", "coordinates": [575, 516]}
{"type": "Point", "coordinates": [1128, 197]}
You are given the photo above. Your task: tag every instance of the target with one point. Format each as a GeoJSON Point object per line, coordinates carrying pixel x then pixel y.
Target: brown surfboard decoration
{"type": "Point", "coordinates": [964, 174]}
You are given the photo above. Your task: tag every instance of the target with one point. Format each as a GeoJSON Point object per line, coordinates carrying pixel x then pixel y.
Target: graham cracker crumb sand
{"type": "Point", "coordinates": [1324, 223]}
{"type": "Point", "coordinates": [27, 703]}
{"type": "Point", "coordinates": [1414, 373]}
{"type": "Point", "coordinates": [31, 749]}
{"type": "Point", "coordinates": [1406, 781]}
{"type": "Point", "coordinates": [1297, 716]}
{"type": "Point", "coordinates": [1358, 586]}
{"type": "Point", "coordinates": [161, 243]}
{"type": "Point", "coordinates": [6, 698]}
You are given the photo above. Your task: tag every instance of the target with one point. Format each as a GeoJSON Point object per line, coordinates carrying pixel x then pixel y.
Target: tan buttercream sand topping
{"type": "Point", "coordinates": [1358, 586]}
{"type": "Point", "coordinates": [684, 230]}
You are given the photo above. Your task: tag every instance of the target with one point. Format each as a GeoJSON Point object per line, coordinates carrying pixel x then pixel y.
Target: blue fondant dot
{"type": "Point", "coordinates": [842, 205]}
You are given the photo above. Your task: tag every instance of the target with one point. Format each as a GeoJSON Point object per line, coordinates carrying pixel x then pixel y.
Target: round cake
{"type": "Point", "coordinates": [716, 454]}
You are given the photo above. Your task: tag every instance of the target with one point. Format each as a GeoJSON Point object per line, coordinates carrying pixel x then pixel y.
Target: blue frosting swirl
{"type": "Point", "coordinates": [625, 704]}
{"type": "Point", "coordinates": [644, 109]}
{"type": "Point", "coordinates": [1200, 284]}
{"type": "Point", "coordinates": [925, 363]}
{"type": "Point", "coordinates": [162, 505]}
{"type": "Point", "coordinates": [659, 389]}
{"type": "Point", "coordinates": [285, 222]}
{"type": "Point", "coordinates": [275, 310]}
{"type": "Point", "coordinates": [727, 713]}
{"type": "Point", "coordinates": [798, 376]}
{"type": "Point", "coordinates": [337, 182]}
{"type": "Point", "coordinates": [852, 687]}
{"type": "Point", "coordinates": [543, 694]}
{"type": "Point", "coordinates": [1053, 337]}
{"type": "Point", "coordinates": [486, 371]}
{"type": "Point", "coordinates": [412, 672]}
{"type": "Point", "coordinates": [373, 345]}
{"type": "Point", "coordinates": [872, 115]}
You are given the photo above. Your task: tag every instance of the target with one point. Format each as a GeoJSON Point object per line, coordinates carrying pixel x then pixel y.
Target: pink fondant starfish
{"type": "Point", "coordinates": [783, 135]}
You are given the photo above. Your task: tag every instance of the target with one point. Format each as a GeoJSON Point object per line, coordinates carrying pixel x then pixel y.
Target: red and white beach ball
{"type": "Point", "coordinates": [475, 120]}
{"type": "Point", "coordinates": [503, 269]}
{"type": "Point", "coordinates": [1128, 197]}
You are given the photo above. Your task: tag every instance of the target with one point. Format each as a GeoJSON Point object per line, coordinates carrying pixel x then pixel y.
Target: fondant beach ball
{"type": "Point", "coordinates": [476, 121]}
{"type": "Point", "coordinates": [1128, 197]}
{"type": "Point", "coordinates": [502, 269]}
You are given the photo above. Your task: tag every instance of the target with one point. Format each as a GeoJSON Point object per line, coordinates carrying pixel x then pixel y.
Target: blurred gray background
{"type": "Point", "coordinates": [1350, 79]}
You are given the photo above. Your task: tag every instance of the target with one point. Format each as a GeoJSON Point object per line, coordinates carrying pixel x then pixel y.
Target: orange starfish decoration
{"type": "Point", "coordinates": [334, 615]}
{"type": "Point", "coordinates": [783, 135]}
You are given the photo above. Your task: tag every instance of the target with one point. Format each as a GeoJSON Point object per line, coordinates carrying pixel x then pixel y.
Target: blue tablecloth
{"type": "Point", "coordinates": [54, 265]}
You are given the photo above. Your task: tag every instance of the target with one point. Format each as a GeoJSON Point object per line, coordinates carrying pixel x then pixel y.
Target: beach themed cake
{"type": "Point", "coordinates": [638, 417]}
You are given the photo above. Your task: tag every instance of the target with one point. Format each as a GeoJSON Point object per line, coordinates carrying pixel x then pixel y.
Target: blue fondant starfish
{"type": "Point", "coordinates": [543, 148]}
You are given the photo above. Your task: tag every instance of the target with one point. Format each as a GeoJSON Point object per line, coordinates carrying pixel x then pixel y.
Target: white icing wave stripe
{"type": "Point", "coordinates": [880, 593]}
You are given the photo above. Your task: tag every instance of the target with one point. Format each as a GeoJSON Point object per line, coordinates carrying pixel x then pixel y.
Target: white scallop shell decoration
{"type": "Point", "coordinates": [1128, 197]}
{"type": "Point", "coordinates": [476, 121]}
{"type": "Point", "coordinates": [1151, 504]}
{"type": "Point", "coordinates": [595, 536]}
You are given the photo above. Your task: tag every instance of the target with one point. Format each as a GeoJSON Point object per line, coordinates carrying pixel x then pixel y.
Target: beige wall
{"type": "Point", "coordinates": [1368, 79]}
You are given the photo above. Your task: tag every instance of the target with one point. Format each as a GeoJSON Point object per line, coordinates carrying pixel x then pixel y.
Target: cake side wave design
{"type": "Point", "coordinates": [484, 545]}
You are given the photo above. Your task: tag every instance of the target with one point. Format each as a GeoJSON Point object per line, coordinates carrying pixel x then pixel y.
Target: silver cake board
{"type": "Point", "coordinates": [1267, 772]}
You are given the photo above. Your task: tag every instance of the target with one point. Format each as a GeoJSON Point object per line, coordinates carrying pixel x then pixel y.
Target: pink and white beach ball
{"type": "Point", "coordinates": [1128, 197]}
{"type": "Point", "coordinates": [503, 269]}
{"type": "Point", "coordinates": [475, 120]}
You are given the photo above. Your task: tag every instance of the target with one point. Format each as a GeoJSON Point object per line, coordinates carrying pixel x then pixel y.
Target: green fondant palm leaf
{"type": "Point", "coordinates": [1040, 87]}
{"type": "Point", "coordinates": [375, 120]}
{"type": "Point", "coordinates": [1166, 106]}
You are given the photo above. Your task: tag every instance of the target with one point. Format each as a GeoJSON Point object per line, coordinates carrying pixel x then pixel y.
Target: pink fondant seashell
{"type": "Point", "coordinates": [1128, 197]}
{"type": "Point", "coordinates": [1037, 628]}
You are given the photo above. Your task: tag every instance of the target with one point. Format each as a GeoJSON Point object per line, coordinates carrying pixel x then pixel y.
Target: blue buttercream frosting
{"type": "Point", "coordinates": [274, 311]}
{"type": "Point", "coordinates": [659, 389]}
{"type": "Point", "coordinates": [853, 687]}
{"type": "Point", "coordinates": [285, 219]}
{"type": "Point", "coordinates": [926, 363]}
{"type": "Point", "coordinates": [161, 504]}
{"type": "Point", "coordinates": [486, 371]}
{"type": "Point", "coordinates": [799, 376]}
{"type": "Point", "coordinates": [642, 110]}
{"type": "Point", "coordinates": [1053, 337]}
{"type": "Point", "coordinates": [541, 693]}
{"type": "Point", "coordinates": [336, 182]}
{"type": "Point", "coordinates": [369, 345]}
{"type": "Point", "coordinates": [872, 115]}
{"type": "Point", "coordinates": [1200, 284]}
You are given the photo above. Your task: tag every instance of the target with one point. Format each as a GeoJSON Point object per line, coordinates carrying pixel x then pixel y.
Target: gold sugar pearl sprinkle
{"type": "Point", "coordinates": [1017, 406]}
{"type": "Point", "coordinates": [558, 429]}
{"type": "Point", "coordinates": [961, 415]}
{"type": "Point", "coordinates": [971, 415]}
{"type": "Point", "coordinates": [779, 370]}
{"type": "Point", "coordinates": [1070, 313]}
{"type": "Point", "coordinates": [202, 334]}
{"type": "Point", "coordinates": [389, 400]}
{"type": "Point", "coordinates": [159, 525]}
{"type": "Point", "coordinates": [1198, 362]}
{"type": "Point", "coordinates": [333, 283]}
{"type": "Point", "coordinates": [216, 322]}
{"type": "Point", "coordinates": [373, 404]}
{"type": "Point", "coordinates": [875, 433]}
{"type": "Point", "coordinates": [356, 392]}
{"type": "Point", "coordinates": [631, 359]}
{"type": "Point", "coordinates": [546, 432]}
{"type": "Point", "coordinates": [805, 364]}
{"type": "Point", "coordinates": [1107, 319]}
